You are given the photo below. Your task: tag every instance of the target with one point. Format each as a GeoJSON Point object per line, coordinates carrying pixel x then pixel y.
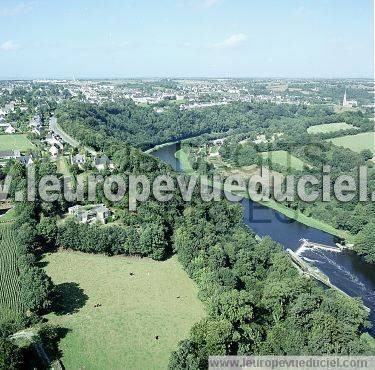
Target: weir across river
{"type": "Point", "coordinates": [311, 271]}
{"type": "Point", "coordinates": [305, 243]}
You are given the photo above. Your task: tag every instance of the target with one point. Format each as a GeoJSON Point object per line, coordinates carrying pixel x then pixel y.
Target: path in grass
{"type": "Point", "coordinates": [356, 143]}
{"type": "Point", "coordinates": [134, 309]}
{"type": "Point", "coordinates": [14, 142]}
{"type": "Point", "coordinates": [329, 127]}
{"type": "Point", "coordinates": [9, 279]}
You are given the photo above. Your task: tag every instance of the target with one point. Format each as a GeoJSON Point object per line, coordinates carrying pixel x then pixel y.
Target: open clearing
{"type": "Point", "coordinates": [9, 280]}
{"type": "Point", "coordinates": [356, 143]}
{"type": "Point", "coordinates": [329, 127]}
{"type": "Point", "coordinates": [16, 141]}
{"type": "Point", "coordinates": [134, 309]}
{"type": "Point", "coordinates": [62, 166]}
{"type": "Point", "coordinates": [283, 158]}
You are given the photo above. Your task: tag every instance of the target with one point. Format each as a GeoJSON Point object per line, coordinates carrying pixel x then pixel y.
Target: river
{"type": "Point", "coordinates": [345, 269]}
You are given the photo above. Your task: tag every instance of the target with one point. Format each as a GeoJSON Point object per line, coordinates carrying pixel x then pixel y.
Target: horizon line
{"type": "Point", "coordinates": [29, 78]}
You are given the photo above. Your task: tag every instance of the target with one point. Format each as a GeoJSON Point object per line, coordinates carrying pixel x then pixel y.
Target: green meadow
{"type": "Point", "coordinates": [120, 312]}
{"type": "Point", "coordinates": [356, 143]}
{"type": "Point", "coordinates": [329, 127]}
{"type": "Point", "coordinates": [16, 141]}
{"type": "Point", "coordinates": [283, 158]}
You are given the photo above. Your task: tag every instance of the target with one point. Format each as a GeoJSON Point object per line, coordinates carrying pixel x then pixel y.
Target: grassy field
{"type": "Point", "coordinates": [134, 310]}
{"type": "Point", "coordinates": [183, 156]}
{"type": "Point", "coordinates": [8, 216]}
{"type": "Point", "coordinates": [329, 127]}
{"type": "Point", "coordinates": [356, 143]}
{"type": "Point", "coordinates": [9, 282]}
{"type": "Point", "coordinates": [16, 141]}
{"type": "Point", "coordinates": [283, 158]}
{"type": "Point", "coordinates": [62, 166]}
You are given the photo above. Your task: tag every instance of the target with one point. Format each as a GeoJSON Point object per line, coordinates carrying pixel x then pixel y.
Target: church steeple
{"type": "Point", "coordinates": [344, 100]}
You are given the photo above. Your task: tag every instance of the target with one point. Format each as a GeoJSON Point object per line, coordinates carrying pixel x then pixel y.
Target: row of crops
{"type": "Point", "coordinates": [9, 279]}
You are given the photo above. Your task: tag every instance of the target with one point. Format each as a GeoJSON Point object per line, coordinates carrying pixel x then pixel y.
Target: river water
{"type": "Point", "coordinates": [345, 269]}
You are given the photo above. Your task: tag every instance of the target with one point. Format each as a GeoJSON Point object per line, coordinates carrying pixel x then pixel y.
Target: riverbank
{"type": "Point", "coordinates": [157, 147]}
{"type": "Point", "coordinates": [296, 215]}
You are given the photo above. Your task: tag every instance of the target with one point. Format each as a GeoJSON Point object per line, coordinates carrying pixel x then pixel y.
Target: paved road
{"type": "Point", "coordinates": [53, 125]}
{"type": "Point", "coordinates": [58, 131]}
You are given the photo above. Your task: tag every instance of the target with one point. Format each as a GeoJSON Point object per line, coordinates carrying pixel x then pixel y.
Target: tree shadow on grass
{"type": "Point", "coordinates": [69, 298]}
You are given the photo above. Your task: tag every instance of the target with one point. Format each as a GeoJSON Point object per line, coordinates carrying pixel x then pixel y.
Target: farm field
{"type": "Point", "coordinates": [9, 281]}
{"type": "Point", "coordinates": [283, 158]}
{"type": "Point", "coordinates": [134, 309]}
{"type": "Point", "coordinates": [16, 141]}
{"type": "Point", "coordinates": [356, 143]}
{"type": "Point", "coordinates": [329, 127]}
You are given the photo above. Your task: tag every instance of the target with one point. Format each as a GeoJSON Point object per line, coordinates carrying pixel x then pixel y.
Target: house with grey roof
{"type": "Point", "coordinates": [78, 159]}
{"type": "Point", "coordinates": [90, 213]}
{"type": "Point", "coordinates": [5, 155]}
{"type": "Point", "coordinates": [9, 154]}
{"type": "Point", "coordinates": [101, 163]}
{"type": "Point", "coordinates": [26, 160]}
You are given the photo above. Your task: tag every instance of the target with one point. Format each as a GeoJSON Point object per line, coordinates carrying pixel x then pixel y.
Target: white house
{"type": "Point", "coordinates": [35, 125]}
{"type": "Point", "coordinates": [10, 130]}
{"type": "Point", "coordinates": [52, 140]}
{"type": "Point", "coordinates": [87, 214]}
{"type": "Point", "coordinates": [54, 150]}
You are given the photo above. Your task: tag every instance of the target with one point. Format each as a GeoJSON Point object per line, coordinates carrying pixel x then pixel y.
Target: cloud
{"type": "Point", "coordinates": [17, 9]}
{"type": "Point", "coordinates": [209, 3]}
{"type": "Point", "coordinates": [232, 41]}
{"type": "Point", "coordinates": [9, 46]}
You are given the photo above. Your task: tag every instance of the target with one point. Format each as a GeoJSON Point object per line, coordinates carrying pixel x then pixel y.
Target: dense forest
{"type": "Point", "coordinates": [257, 302]}
{"type": "Point", "coordinates": [144, 128]}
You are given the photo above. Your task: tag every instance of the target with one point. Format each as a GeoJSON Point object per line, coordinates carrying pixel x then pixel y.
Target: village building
{"type": "Point", "coordinates": [101, 163]}
{"type": "Point", "coordinates": [78, 159]}
{"type": "Point", "coordinates": [54, 150]}
{"type": "Point", "coordinates": [9, 154]}
{"type": "Point", "coordinates": [87, 214]}
{"type": "Point", "coordinates": [10, 129]}
{"type": "Point", "coordinates": [5, 155]}
{"type": "Point", "coordinates": [26, 160]}
{"type": "Point", "coordinates": [35, 125]}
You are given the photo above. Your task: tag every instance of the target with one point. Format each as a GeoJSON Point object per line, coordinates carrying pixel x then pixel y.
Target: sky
{"type": "Point", "coordinates": [186, 38]}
